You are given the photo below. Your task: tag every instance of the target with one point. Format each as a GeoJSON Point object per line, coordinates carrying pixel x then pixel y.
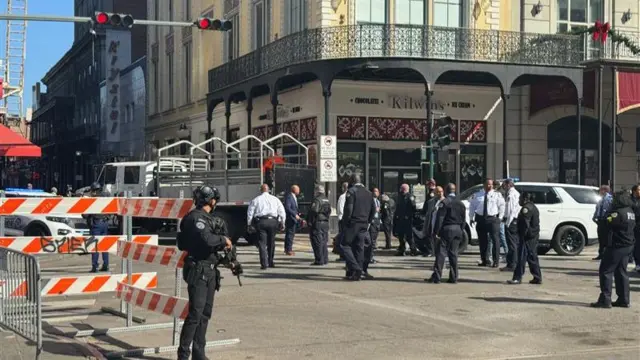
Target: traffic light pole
{"type": "Point", "coordinates": [84, 19]}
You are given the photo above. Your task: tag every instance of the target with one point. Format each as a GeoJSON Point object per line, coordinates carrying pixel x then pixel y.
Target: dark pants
{"type": "Point", "coordinates": [100, 228]}
{"type": "Point", "coordinates": [369, 248]}
{"type": "Point", "coordinates": [528, 254]}
{"type": "Point", "coordinates": [387, 228]}
{"type": "Point", "coordinates": [614, 265]}
{"type": "Point", "coordinates": [636, 250]}
{"type": "Point", "coordinates": [603, 236]}
{"type": "Point", "coordinates": [492, 227]}
{"type": "Point", "coordinates": [483, 243]}
{"type": "Point", "coordinates": [352, 247]}
{"type": "Point", "coordinates": [511, 235]}
{"type": "Point", "coordinates": [374, 231]}
{"type": "Point", "coordinates": [405, 236]}
{"type": "Point", "coordinates": [267, 229]}
{"type": "Point", "coordinates": [319, 236]}
{"type": "Point", "coordinates": [290, 233]}
{"type": "Point", "coordinates": [447, 246]}
{"type": "Point", "coordinates": [336, 239]}
{"type": "Point", "coordinates": [201, 294]}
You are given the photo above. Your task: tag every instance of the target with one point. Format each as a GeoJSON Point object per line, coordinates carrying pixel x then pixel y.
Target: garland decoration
{"type": "Point", "coordinates": [603, 31]}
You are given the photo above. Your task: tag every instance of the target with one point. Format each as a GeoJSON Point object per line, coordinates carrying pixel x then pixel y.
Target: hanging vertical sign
{"type": "Point", "coordinates": [118, 57]}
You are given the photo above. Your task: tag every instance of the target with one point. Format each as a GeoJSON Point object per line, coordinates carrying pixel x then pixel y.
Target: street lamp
{"type": "Point", "coordinates": [619, 141]}
{"type": "Point", "coordinates": [75, 172]}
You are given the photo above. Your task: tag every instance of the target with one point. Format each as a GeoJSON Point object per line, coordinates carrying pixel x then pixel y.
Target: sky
{"type": "Point", "coordinates": [47, 42]}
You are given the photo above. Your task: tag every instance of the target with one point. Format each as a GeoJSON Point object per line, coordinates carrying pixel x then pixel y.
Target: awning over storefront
{"type": "Point", "coordinates": [628, 90]}
{"type": "Point", "coordinates": [12, 144]}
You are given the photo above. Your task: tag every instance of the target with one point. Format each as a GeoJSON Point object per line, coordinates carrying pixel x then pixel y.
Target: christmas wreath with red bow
{"type": "Point", "coordinates": [603, 31]}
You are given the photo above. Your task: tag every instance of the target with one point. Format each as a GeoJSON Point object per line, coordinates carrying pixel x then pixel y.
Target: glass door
{"type": "Point", "coordinates": [393, 178]}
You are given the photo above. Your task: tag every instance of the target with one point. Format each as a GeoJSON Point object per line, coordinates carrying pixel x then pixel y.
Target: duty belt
{"type": "Point", "coordinates": [266, 217]}
{"type": "Point", "coordinates": [207, 263]}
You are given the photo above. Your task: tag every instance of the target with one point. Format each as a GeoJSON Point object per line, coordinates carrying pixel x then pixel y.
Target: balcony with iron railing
{"type": "Point", "coordinates": [410, 41]}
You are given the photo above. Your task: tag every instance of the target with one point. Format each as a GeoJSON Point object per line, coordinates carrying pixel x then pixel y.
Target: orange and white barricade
{"type": "Point", "coordinates": [135, 293]}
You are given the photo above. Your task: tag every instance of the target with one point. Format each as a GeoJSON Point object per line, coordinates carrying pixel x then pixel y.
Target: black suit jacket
{"type": "Point", "coordinates": [427, 209]}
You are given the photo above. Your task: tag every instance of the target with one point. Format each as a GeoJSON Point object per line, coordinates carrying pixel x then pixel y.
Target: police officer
{"type": "Point", "coordinates": [448, 228]}
{"type": "Point", "coordinates": [388, 209]}
{"type": "Point", "coordinates": [202, 235]}
{"type": "Point", "coordinates": [318, 217]}
{"type": "Point", "coordinates": [359, 210]}
{"type": "Point", "coordinates": [528, 224]}
{"type": "Point", "coordinates": [600, 218]}
{"type": "Point", "coordinates": [403, 219]}
{"type": "Point", "coordinates": [98, 226]}
{"type": "Point", "coordinates": [635, 194]}
{"type": "Point", "coordinates": [264, 214]}
{"type": "Point", "coordinates": [621, 221]}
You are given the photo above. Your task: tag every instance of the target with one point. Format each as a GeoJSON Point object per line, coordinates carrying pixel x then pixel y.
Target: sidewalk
{"type": "Point", "coordinates": [54, 348]}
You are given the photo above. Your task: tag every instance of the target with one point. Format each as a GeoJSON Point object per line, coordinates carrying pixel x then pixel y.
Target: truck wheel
{"type": "Point", "coordinates": [464, 243]}
{"type": "Point", "coordinates": [569, 241]}
{"type": "Point", "coordinates": [37, 230]}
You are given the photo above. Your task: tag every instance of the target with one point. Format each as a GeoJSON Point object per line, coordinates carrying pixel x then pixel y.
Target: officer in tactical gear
{"type": "Point", "coordinates": [202, 235]}
{"type": "Point", "coordinates": [359, 210]}
{"type": "Point", "coordinates": [403, 221]}
{"type": "Point", "coordinates": [98, 226]}
{"type": "Point", "coordinates": [620, 222]}
{"type": "Point", "coordinates": [318, 220]}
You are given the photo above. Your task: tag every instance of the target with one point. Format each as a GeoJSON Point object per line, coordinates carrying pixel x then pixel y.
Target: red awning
{"type": "Point", "coordinates": [12, 144]}
{"type": "Point", "coordinates": [628, 89]}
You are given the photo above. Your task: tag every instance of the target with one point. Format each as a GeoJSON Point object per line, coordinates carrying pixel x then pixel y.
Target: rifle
{"type": "Point", "coordinates": [230, 261]}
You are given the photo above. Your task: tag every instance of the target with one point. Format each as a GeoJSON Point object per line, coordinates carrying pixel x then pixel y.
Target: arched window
{"type": "Point", "coordinates": [562, 145]}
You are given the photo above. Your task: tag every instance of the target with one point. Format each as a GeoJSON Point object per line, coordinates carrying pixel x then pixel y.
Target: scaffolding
{"type": "Point", "coordinates": [13, 65]}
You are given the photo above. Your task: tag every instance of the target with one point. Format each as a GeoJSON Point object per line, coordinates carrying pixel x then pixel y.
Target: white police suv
{"type": "Point", "coordinates": [565, 215]}
{"type": "Point", "coordinates": [42, 225]}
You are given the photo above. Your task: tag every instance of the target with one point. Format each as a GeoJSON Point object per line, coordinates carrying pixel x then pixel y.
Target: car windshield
{"type": "Point", "coordinates": [466, 195]}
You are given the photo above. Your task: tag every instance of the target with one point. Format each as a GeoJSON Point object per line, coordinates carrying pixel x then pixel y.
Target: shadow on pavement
{"type": "Point", "coordinates": [478, 281]}
{"type": "Point", "coordinates": [530, 301]}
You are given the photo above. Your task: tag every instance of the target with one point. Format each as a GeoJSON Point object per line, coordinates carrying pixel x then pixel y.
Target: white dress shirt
{"type": "Point", "coordinates": [495, 204]}
{"type": "Point", "coordinates": [340, 206]}
{"type": "Point", "coordinates": [512, 206]}
{"type": "Point", "coordinates": [265, 204]}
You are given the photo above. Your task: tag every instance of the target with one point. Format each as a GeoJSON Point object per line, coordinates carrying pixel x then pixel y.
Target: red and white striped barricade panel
{"type": "Point", "coordinates": [155, 208]}
{"type": "Point", "coordinates": [59, 206]}
{"type": "Point", "coordinates": [71, 244]}
{"type": "Point", "coordinates": [87, 284]}
{"type": "Point", "coordinates": [159, 303]}
{"type": "Point", "coordinates": [152, 254]}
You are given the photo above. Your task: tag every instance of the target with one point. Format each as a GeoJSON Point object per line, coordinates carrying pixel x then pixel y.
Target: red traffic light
{"type": "Point", "coordinates": [102, 18]}
{"type": "Point", "coordinates": [204, 23]}
{"type": "Point", "coordinates": [213, 24]}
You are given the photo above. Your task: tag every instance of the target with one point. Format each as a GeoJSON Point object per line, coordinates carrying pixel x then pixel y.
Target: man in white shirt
{"type": "Point", "coordinates": [512, 209]}
{"type": "Point", "coordinates": [340, 211]}
{"type": "Point", "coordinates": [265, 214]}
{"type": "Point", "coordinates": [486, 210]}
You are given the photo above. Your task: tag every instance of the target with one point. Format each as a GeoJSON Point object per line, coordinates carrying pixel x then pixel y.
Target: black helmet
{"type": "Point", "coordinates": [202, 195]}
{"type": "Point", "coordinates": [621, 199]}
{"type": "Point", "coordinates": [96, 186]}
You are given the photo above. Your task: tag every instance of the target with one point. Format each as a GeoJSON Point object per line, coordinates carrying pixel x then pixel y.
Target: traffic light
{"type": "Point", "coordinates": [123, 20]}
{"type": "Point", "coordinates": [442, 133]}
{"type": "Point", "coordinates": [213, 24]}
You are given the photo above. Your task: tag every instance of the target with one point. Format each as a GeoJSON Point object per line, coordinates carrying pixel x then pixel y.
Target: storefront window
{"type": "Point", "coordinates": [473, 166]}
{"type": "Point", "coordinates": [351, 159]}
{"type": "Point", "coordinates": [374, 167]}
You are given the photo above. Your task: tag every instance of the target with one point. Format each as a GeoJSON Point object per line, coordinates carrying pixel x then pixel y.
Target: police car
{"type": "Point", "coordinates": [42, 225]}
{"type": "Point", "coordinates": [565, 215]}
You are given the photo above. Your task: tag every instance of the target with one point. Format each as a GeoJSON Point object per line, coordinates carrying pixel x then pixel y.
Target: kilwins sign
{"type": "Point", "coordinates": [406, 102]}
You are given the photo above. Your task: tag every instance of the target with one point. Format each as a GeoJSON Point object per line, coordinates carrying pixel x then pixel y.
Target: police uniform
{"type": "Point", "coordinates": [98, 226]}
{"type": "Point", "coordinates": [201, 235]}
{"type": "Point", "coordinates": [371, 239]}
{"type": "Point", "coordinates": [487, 210]}
{"type": "Point", "coordinates": [528, 223]}
{"type": "Point", "coordinates": [448, 228]}
{"type": "Point", "coordinates": [621, 221]}
{"type": "Point", "coordinates": [265, 214]}
{"type": "Point", "coordinates": [358, 213]}
{"type": "Point", "coordinates": [600, 218]}
{"type": "Point", "coordinates": [636, 232]}
{"type": "Point", "coordinates": [403, 219]}
{"type": "Point", "coordinates": [318, 219]}
{"type": "Point", "coordinates": [387, 210]}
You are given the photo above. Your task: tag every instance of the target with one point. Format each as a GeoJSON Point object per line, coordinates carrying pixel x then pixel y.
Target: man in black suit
{"type": "Point", "coordinates": [291, 223]}
{"type": "Point", "coordinates": [427, 209]}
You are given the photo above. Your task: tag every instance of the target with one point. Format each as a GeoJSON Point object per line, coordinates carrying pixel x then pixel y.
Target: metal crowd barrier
{"type": "Point", "coordinates": [20, 300]}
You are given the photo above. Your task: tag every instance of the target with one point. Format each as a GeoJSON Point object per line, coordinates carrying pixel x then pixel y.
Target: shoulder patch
{"type": "Point", "coordinates": [412, 198]}
{"type": "Point", "coordinates": [200, 224]}
{"type": "Point", "coordinates": [525, 210]}
{"type": "Point", "coordinates": [614, 215]}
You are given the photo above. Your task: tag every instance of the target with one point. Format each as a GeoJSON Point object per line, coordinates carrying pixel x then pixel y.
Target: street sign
{"type": "Point", "coordinates": [328, 147]}
{"type": "Point", "coordinates": [328, 170]}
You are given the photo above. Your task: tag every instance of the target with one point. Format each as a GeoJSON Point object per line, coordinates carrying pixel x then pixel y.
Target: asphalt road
{"type": "Point", "coordinates": [297, 311]}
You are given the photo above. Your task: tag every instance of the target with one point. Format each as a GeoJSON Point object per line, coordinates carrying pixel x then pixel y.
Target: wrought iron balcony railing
{"type": "Point", "coordinates": [403, 41]}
